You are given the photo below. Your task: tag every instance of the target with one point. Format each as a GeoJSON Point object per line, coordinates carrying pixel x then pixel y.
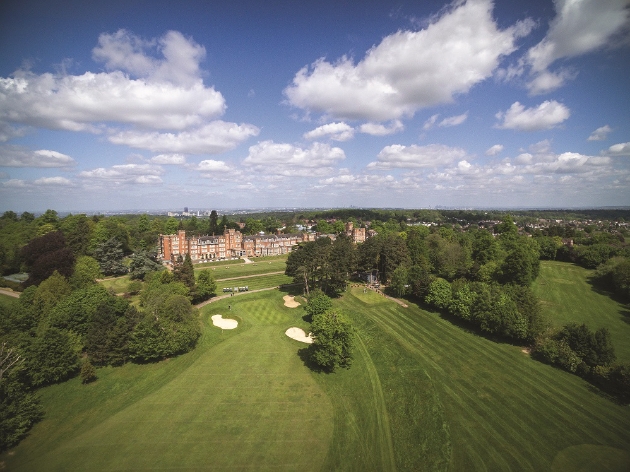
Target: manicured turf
{"type": "Point", "coordinates": [502, 410]}
{"type": "Point", "coordinates": [567, 295]}
{"type": "Point", "coordinates": [254, 283]}
{"type": "Point", "coordinates": [243, 400]}
{"type": "Point", "coordinates": [422, 394]}
{"type": "Point", "coordinates": [260, 266]}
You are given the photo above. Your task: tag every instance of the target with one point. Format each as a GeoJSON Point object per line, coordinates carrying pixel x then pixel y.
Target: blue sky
{"type": "Point", "coordinates": [160, 105]}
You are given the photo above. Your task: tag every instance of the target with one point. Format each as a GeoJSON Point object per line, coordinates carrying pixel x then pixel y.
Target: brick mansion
{"type": "Point", "coordinates": [232, 243]}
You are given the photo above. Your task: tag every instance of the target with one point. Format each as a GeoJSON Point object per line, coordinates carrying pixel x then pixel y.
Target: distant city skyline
{"type": "Point", "coordinates": [110, 106]}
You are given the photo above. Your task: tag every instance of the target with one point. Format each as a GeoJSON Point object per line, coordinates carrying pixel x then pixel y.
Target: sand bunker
{"type": "Point", "coordinates": [299, 335]}
{"type": "Point", "coordinates": [218, 320]}
{"type": "Point", "coordinates": [290, 301]}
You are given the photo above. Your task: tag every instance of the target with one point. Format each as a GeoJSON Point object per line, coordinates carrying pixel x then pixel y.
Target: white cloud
{"type": "Point", "coordinates": [430, 122]}
{"type": "Point", "coordinates": [125, 51]}
{"type": "Point", "coordinates": [16, 156]}
{"type": "Point", "coordinates": [600, 134]}
{"type": "Point", "coordinates": [213, 138]}
{"type": "Point", "coordinates": [546, 116]}
{"type": "Point", "coordinates": [336, 131]}
{"type": "Point", "coordinates": [377, 129]}
{"type": "Point", "coordinates": [433, 155]}
{"type": "Point", "coordinates": [54, 181]}
{"type": "Point", "coordinates": [81, 103]}
{"type": "Point", "coordinates": [211, 165]}
{"type": "Point", "coordinates": [286, 159]}
{"type": "Point", "coordinates": [580, 27]}
{"type": "Point", "coordinates": [408, 70]}
{"type": "Point", "coordinates": [15, 183]}
{"type": "Point", "coordinates": [621, 149]}
{"type": "Point", "coordinates": [138, 89]}
{"type": "Point", "coordinates": [545, 82]}
{"type": "Point", "coordinates": [453, 120]}
{"type": "Point", "coordinates": [168, 159]}
{"type": "Point", "coordinates": [125, 174]}
{"type": "Point", "coordinates": [494, 150]}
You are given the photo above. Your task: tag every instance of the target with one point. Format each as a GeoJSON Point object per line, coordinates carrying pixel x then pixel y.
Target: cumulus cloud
{"type": "Point", "coordinates": [494, 150]}
{"type": "Point", "coordinates": [211, 166]}
{"type": "Point", "coordinates": [407, 70]}
{"type": "Point", "coordinates": [215, 137]}
{"type": "Point", "coordinates": [151, 96]}
{"type": "Point", "coordinates": [17, 156]}
{"type": "Point", "coordinates": [168, 159]}
{"type": "Point", "coordinates": [54, 181]}
{"type": "Point", "coordinates": [453, 120]}
{"type": "Point", "coordinates": [335, 131]}
{"type": "Point", "coordinates": [409, 157]}
{"type": "Point", "coordinates": [621, 149]}
{"type": "Point", "coordinates": [579, 27]}
{"type": "Point", "coordinates": [128, 52]}
{"type": "Point", "coordinates": [286, 159]}
{"type": "Point", "coordinates": [547, 115]}
{"type": "Point", "coordinates": [82, 103]}
{"type": "Point", "coordinates": [125, 174]}
{"type": "Point", "coordinates": [378, 129]}
{"type": "Point", "coordinates": [600, 134]}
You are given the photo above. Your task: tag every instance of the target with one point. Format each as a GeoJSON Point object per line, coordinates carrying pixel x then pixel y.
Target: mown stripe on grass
{"type": "Point", "coordinates": [501, 403]}
{"type": "Point", "coordinates": [382, 419]}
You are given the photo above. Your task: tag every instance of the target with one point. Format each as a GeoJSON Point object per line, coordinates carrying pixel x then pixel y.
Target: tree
{"type": "Point", "coordinates": [185, 273]}
{"type": "Point", "coordinates": [48, 294]}
{"type": "Point", "coordinates": [342, 263]}
{"type": "Point", "coordinates": [88, 372]}
{"type": "Point", "coordinates": [45, 255]}
{"type": "Point", "coordinates": [253, 226]}
{"type": "Point", "coordinates": [20, 409]}
{"type": "Point", "coordinates": [439, 294]}
{"type": "Point", "coordinates": [169, 327]}
{"type": "Point", "coordinates": [213, 227]}
{"type": "Point", "coordinates": [109, 255]}
{"type": "Point", "coordinates": [521, 265]}
{"type": "Point", "coordinates": [318, 304]}
{"type": "Point", "coordinates": [332, 341]}
{"type": "Point", "coordinates": [171, 226]}
{"type": "Point", "coordinates": [206, 286]}
{"type": "Point", "coordinates": [75, 312]}
{"type": "Point", "coordinates": [86, 271]}
{"type": "Point", "coordinates": [142, 263]}
{"type": "Point", "coordinates": [52, 357]}
{"type": "Point", "coordinates": [109, 332]}
{"type": "Point", "coordinates": [400, 281]}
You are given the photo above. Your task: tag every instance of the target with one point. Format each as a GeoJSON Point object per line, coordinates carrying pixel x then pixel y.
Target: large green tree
{"type": "Point", "coordinates": [332, 341]}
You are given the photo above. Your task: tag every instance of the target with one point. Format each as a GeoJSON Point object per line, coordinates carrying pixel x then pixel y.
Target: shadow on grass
{"type": "Point", "coordinates": [605, 288]}
{"type": "Point", "coordinates": [305, 355]}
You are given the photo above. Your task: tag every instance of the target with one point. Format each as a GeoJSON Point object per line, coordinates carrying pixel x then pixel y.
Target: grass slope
{"type": "Point", "coordinates": [243, 400]}
{"type": "Point", "coordinates": [422, 394]}
{"type": "Point", "coordinates": [567, 296]}
{"type": "Point", "coordinates": [503, 410]}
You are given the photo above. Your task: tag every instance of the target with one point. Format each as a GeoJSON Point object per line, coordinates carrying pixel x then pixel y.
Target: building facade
{"type": "Point", "coordinates": [230, 244]}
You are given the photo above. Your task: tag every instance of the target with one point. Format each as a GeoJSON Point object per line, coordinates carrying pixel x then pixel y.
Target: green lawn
{"type": "Point", "coordinates": [254, 283]}
{"type": "Point", "coordinates": [242, 401]}
{"type": "Point", "coordinates": [422, 394]}
{"type": "Point", "coordinates": [489, 405]}
{"type": "Point", "coordinates": [261, 266]}
{"type": "Point", "coordinates": [567, 295]}
{"type": "Point", "coordinates": [117, 284]}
